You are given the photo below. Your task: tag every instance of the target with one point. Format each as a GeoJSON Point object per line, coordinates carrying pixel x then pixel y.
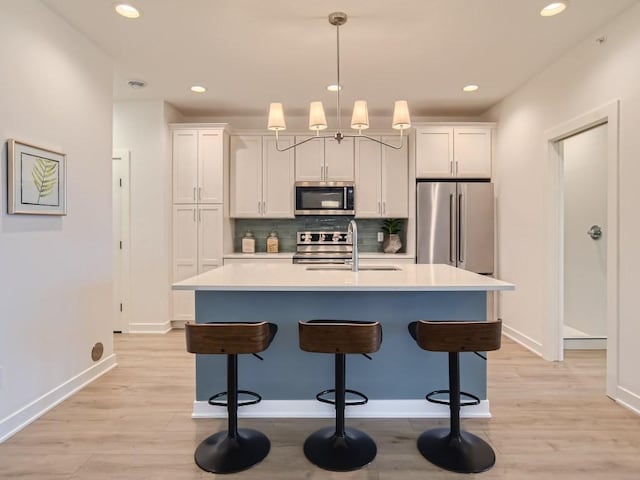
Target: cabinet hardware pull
{"type": "Point", "coordinates": [194, 194]}
{"type": "Point", "coordinates": [384, 208]}
{"type": "Point", "coordinates": [326, 173]}
{"type": "Point", "coordinates": [259, 206]}
{"type": "Point", "coordinates": [194, 214]}
{"type": "Point", "coordinates": [199, 193]}
{"type": "Point", "coordinates": [321, 173]}
{"type": "Point", "coordinates": [199, 215]}
{"type": "Point", "coordinates": [264, 208]}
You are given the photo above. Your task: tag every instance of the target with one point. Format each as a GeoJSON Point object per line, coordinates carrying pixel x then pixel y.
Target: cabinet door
{"type": "Point", "coordinates": [395, 180]}
{"type": "Point", "coordinates": [278, 179]}
{"type": "Point", "coordinates": [309, 160]}
{"type": "Point", "coordinates": [209, 237]}
{"type": "Point", "coordinates": [472, 152]}
{"type": "Point", "coordinates": [339, 160]}
{"type": "Point", "coordinates": [185, 258]}
{"type": "Point", "coordinates": [210, 167]}
{"type": "Point", "coordinates": [368, 174]}
{"type": "Point", "coordinates": [185, 166]}
{"type": "Point", "coordinates": [434, 152]}
{"type": "Point", "coordinates": [246, 176]}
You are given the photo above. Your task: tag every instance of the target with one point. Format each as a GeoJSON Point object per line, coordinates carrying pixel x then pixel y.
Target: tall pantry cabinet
{"type": "Point", "coordinates": [199, 160]}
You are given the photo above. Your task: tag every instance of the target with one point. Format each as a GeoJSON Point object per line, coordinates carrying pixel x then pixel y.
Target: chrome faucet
{"type": "Point", "coordinates": [352, 231]}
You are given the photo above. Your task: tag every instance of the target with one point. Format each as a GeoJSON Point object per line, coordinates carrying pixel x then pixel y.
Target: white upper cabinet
{"type": "Point", "coordinates": [453, 152]}
{"type": "Point", "coordinates": [261, 177]}
{"type": "Point", "coordinates": [198, 166]}
{"type": "Point", "coordinates": [324, 159]}
{"type": "Point", "coordinates": [382, 180]}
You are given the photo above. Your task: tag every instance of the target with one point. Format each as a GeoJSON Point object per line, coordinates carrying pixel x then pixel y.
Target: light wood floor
{"type": "Point", "coordinates": [550, 420]}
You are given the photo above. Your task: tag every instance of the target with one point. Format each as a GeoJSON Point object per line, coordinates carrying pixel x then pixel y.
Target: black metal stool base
{"type": "Point", "coordinates": [465, 454]}
{"type": "Point", "coordinates": [220, 453]}
{"type": "Point", "coordinates": [340, 454]}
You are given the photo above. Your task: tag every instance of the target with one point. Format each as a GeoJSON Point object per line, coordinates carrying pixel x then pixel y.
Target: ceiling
{"type": "Point", "coordinates": [252, 52]}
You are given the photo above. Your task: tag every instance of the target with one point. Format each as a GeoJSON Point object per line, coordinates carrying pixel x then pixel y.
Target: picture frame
{"type": "Point", "coordinates": [37, 180]}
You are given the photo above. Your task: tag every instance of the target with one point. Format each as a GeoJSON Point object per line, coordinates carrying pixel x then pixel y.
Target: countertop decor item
{"type": "Point", "coordinates": [37, 180]}
{"type": "Point", "coordinates": [272, 242]}
{"type": "Point", "coordinates": [392, 228]}
{"type": "Point", "coordinates": [248, 243]}
{"type": "Point", "coordinates": [360, 118]}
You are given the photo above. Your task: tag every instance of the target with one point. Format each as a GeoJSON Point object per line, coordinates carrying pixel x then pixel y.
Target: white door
{"type": "Point", "coordinates": [121, 240]}
{"type": "Point", "coordinates": [246, 176]}
{"type": "Point", "coordinates": [472, 152]}
{"type": "Point", "coordinates": [185, 258]}
{"type": "Point", "coordinates": [278, 170]}
{"type": "Point", "coordinates": [209, 237]}
{"type": "Point", "coordinates": [585, 235]}
{"type": "Point", "coordinates": [185, 166]}
{"type": "Point", "coordinates": [434, 152]}
{"type": "Point", "coordinates": [339, 160]}
{"type": "Point", "coordinates": [210, 167]}
{"type": "Point", "coordinates": [309, 160]}
{"type": "Point", "coordinates": [395, 180]}
{"type": "Point", "coordinates": [368, 174]}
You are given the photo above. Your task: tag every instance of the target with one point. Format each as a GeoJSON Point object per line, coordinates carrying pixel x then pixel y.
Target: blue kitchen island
{"type": "Point", "coordinates": [400, 373]}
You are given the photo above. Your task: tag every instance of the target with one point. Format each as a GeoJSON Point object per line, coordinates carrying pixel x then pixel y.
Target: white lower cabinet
{"type": "Point", "coordinates": [382, 179]}
{"type": "Point", "coordinates": [197, 247]}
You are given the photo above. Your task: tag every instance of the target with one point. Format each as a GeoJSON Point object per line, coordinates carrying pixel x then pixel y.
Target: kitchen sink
{"type": "Point", "coordinates": [381, 268]}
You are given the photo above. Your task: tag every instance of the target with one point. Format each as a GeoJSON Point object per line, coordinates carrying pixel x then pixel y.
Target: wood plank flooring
{"type": "Point", "coordinates": [550, 420]}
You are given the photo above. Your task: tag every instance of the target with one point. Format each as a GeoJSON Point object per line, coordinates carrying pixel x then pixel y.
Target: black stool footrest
{"type": "Point", "coordinates": [320, 398]}
{"type": "Point", "coordinates": [258, 399]}
{"type": "Point", "coordinates": [474, 400]}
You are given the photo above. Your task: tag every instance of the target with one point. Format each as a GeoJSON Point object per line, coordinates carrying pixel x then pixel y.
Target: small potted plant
{"type": "Point", "coordinates": [392, 227]}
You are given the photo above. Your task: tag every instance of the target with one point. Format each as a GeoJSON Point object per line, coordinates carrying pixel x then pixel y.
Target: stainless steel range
{"type": "Point", "coordinates": [323, 247]}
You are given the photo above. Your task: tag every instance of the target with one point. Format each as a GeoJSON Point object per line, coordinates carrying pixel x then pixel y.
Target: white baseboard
{"type": "Point", "coordinates": [315, 409]}
{"type": "Point", "coordinates": [178, 324]}
{"type": "Point", "coordinates": [27, 414]}
{"type": "Point", "coordinates": [149, 327]}
{"type": "Point", "coordinates": [585, 343]}
{"type": "Point", "coordinates": [522, 339]}
{"type": "Point", "coordinates": [629, 400]}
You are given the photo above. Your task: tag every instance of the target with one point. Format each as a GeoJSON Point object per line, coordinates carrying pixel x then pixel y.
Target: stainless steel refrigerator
{"type": "Point", "coordinates": [455, 224]}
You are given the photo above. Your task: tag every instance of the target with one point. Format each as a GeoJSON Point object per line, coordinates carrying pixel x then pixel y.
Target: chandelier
{"type": "Point", "coordinates": [359, 119]}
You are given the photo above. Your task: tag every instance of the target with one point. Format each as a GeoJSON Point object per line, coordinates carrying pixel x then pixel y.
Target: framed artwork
{"type": "Point", "coordinates": [37, 180]}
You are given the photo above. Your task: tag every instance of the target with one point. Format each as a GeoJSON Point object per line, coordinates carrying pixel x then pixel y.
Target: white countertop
{"type": "Point", "coordinates": [296, 277]}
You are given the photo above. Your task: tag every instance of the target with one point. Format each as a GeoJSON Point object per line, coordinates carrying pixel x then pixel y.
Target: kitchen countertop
{"type": "Point", "coordinates": [296, 277]}
{"type": "Point", "coordinates": [263, 255]}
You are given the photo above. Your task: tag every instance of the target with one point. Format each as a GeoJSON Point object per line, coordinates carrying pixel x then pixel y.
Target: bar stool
{"type": "Point", "coordinates": [340, 449]}
{"type": "Point", "coordinates": [236, 449]}
{"type": "Point", "coordinates": [452, 448]}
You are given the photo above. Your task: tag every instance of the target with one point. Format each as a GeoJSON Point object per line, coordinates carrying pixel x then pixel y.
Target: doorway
{"type": "Point", "coordinates": [584, 191]}
{"type": "Point", "coordinates": [553, 347]}
{"type": "Point", "coordinates": [121, 240]}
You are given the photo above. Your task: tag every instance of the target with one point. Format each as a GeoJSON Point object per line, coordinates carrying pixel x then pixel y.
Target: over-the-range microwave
{"type": "Point", "coordinates": [324, 198]}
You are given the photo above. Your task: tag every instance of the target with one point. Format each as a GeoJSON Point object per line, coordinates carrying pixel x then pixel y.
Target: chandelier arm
{"type": "Point", "coordinates": [338, 75]}
{"type": "Point", "coordinates": [395, 147]}
{"type": "Point", "coordinates": [300, 143]}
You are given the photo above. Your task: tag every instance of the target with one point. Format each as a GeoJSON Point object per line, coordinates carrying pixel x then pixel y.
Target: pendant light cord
{"type": "Point", "coordinates": [338, 71]}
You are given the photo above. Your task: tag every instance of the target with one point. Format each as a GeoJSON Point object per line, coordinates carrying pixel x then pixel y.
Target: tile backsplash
{"type": "Point", "coordinates": [287, 228]}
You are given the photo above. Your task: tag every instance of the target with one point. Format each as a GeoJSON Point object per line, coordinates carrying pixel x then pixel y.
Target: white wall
{"type": "Point", "coordinates": [141, 128]}
{"type": "Point", "coordinates": [55, 272]}
{"type": "Point", "coordinates": [588, 76]}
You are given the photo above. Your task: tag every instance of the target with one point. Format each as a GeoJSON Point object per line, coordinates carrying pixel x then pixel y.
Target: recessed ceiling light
{"type": "Point", "coordinates": [553, 8]}
{"type": "Point", "coordinates": [136, 84]}
{"type": "Point", "coordinates": [127, 11]}
{"type": "Point", "coordinates": [470, 88]}
{"type": "Point", "coordinates": [198, 89]}
{"type": "Point", "coordinates": [334, 87]}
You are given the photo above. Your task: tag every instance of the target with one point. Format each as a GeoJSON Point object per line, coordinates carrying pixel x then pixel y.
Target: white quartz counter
{"type": "Point", "coordinates": [297, 277]}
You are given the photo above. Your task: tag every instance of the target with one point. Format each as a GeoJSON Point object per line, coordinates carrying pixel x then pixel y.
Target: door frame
{"type": "Point", "coordinates": [553, 326]}
{"type": "Point", "coordinates": [122, 282]}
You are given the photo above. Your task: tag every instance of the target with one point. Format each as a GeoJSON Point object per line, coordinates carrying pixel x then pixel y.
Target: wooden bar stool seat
{"type": "Point", "coordinates": [235, 449]}
{"type": "Point", "coordinates": [452, 448]}
{"type": "Point", "coordinates": [338, 448]}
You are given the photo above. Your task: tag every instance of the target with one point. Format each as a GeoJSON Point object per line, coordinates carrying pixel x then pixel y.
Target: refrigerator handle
{"type": "Point", "coordinates": [460, 230]}
{"type": "Point", "coordinates": [452, 227]}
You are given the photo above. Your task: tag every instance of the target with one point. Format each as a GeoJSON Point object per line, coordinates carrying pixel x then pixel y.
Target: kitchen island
{"type": "Point", "coordinates": [400, 373]}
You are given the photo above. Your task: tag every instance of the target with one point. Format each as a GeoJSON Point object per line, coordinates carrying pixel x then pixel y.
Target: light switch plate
{"type": "Point", "coordinates": [380, 236]}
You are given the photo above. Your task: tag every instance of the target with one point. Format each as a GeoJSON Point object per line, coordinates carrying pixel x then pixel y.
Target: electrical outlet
{"type": "Point", "coordinates": [380, 236]}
